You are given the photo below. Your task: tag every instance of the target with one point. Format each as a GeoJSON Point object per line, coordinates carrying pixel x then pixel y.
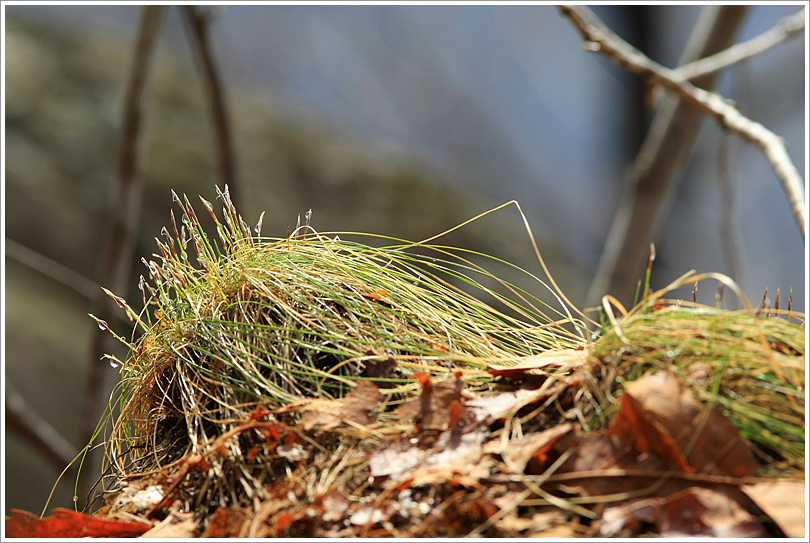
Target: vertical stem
{"type": "Point", "coordinates": [662, 154]}
{"type": "Point", "coordinates": [120, 234]}
{"type": "Point", "coordinates": [198, 30]}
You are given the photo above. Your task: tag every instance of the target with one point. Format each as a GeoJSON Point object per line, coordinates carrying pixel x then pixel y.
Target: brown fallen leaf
{"type": "Point", "coordinates": [783, 501]}
{"type": "Point", "coordinates": [668, 420]}
{"type": "Point", "coordinates": [431, 410]}
{"type": "Point", "coordinates": [321, 415]}
{"type": "Point", "coordinates": [64, 523]}
{"type": "Point", "coordinates": [600, 451]}
{"type": "Point", "coordinates": [636, 425]}
{"type": "Point", "coordinates": [357, 404]}
{"type": "Point", "coordinates": [355, 407]}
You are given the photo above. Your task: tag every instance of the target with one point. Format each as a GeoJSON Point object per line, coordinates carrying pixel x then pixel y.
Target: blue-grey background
{"type": "Point", "coordinates": [464, 107]}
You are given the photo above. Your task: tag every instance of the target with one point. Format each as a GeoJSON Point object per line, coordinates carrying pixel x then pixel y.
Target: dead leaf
{"type": "Point", "coordinates": [783, 501]}
{"type": "Point", "coordinates": [635, 425]}
{"type": "Point", "coordinates": [517, 452]}
{"type": "Point", "coordinates": [486, 408]}
{"type": "Point", "coordinates": [564, 359]}
{"type": "Point", "coordinates": [357, 404]}
{"type": "Point", "coordinates": [599, 451]}
{"type": "Point", "coordinates": [64, 523]}
{"type": "Point", "coordinates": [693, 512]}
{"type": "Point", "coordinates": [355, 407]}
{"type": "Point", "coordinates": [672, 423]}
{"type": "Point", "coordinates": [400, 458]}
{"type": "Point", "coordinates": [321, 414]}
{"type": "Point", "coordinates": [701, 512]}
{"type": "Point", "coordinates": [431, 410]}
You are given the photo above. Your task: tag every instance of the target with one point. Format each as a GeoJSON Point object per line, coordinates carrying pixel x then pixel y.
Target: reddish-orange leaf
{"type": "Point", "coordinates": [64, 523]}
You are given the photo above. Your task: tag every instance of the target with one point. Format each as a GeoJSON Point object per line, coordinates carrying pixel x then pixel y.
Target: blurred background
{"type": "Point", "coordinates": [396, 120]}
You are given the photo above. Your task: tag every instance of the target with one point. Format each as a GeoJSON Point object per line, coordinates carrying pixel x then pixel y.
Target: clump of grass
{"type": "Point", "coordinates": [753, 368]}
{"type": "Point", "coordinates": [273, 321]}
{"type": "Point", "coordinates": [241, 324]}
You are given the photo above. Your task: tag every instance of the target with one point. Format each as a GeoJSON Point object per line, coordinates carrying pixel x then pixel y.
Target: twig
{"type": "Point", "coordinates": [118, 247]}
{"type": "Point", "coordinates": [43, 438]}
{"type": "Point", "coordinates": [727, 231]}
{"type": "Point", "coordinates": [600, 38]}
{"type": "Point", "coordinates": [198, 33]}
{"type": "Point", "coordinates": [787, 27]}
{"type": "Point", "coordinates": [671, 134]}
{"type": "Point", "coordinates": [51, 269]}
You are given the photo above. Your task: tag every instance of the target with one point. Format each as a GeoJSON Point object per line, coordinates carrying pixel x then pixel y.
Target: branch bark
{"type": "Point", "coordinates": [787, 27]}
{"type": "Point", "coordinates": [51, 269]}
{"type": "Point", "coordinates": [709, 103]}
{"type": "Point", "coordinates": [198, 34]}
{"type": "Point", "coordinates": [671, 134]}
{"type": "Point", "coordinates": [37, 432]}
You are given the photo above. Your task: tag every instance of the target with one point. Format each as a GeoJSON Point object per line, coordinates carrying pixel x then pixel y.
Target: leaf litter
{"type": "Point", "coordinates": [313, 387]}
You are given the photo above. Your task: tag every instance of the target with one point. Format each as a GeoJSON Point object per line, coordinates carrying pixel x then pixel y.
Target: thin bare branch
{"type": "Point", "coordinates": [36, 431]}
{"type": "Point", "coordinates": [51, 269]}
{"type": "Point", "coordinates": [198, 34]}
{"type": "Point", "coordinates": [120, 235]}
{"type": "Point", "coordinates": [600, 38]}
{"type": "Point", "coordinates": [787, 27]}
{"type": "Point", "coordinates": [727, 231]}
{"type": "Point", "coordinates": [666, 145]}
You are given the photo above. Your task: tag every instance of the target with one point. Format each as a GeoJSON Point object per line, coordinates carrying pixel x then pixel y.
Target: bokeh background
{"type": "Point", "coordinates": [397, 120]}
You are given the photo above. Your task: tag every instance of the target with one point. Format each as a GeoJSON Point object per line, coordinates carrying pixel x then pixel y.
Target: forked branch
{"type": "Point", "coordinates": [598, 37]}
{"type": "Point", "coordinates": [787, 27]}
